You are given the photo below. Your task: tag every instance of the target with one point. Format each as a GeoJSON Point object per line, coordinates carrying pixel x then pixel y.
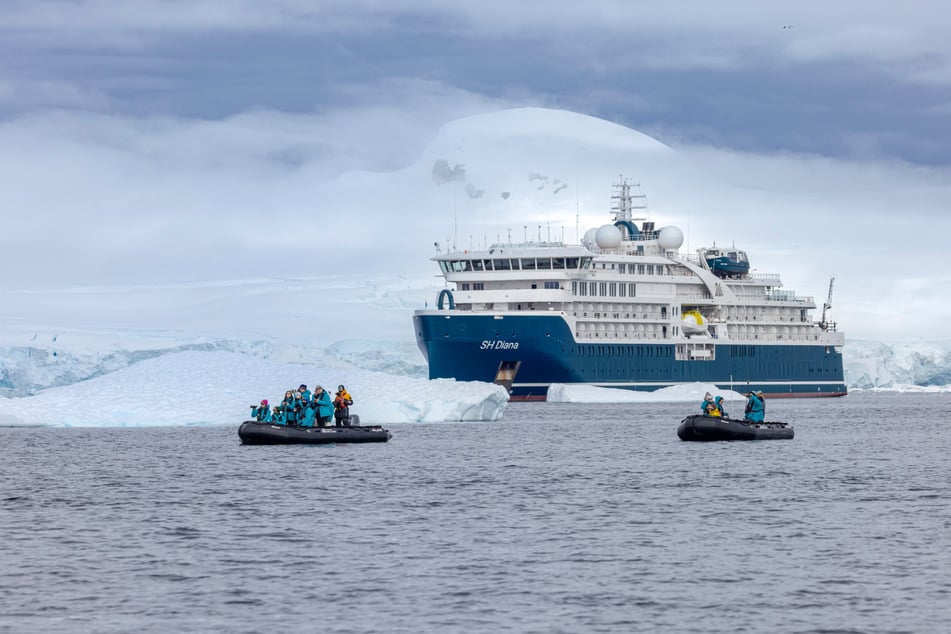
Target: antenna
{"type": "Point", "coordinates": [578, 213]}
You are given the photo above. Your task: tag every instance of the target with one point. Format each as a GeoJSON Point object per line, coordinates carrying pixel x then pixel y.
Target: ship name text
{"type": "Point", "coordinates": [498, 344]}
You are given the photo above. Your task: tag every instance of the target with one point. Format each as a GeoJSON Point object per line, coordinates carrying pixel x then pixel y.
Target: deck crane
{"type": "Point", "coordinates": [823, 324]}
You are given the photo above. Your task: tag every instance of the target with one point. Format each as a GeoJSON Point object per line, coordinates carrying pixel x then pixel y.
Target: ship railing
{"type": "Point", "coordinates": [776, 295]}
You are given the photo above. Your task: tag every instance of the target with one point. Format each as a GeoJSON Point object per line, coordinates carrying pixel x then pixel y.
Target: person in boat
{"type": "Point", "coordinates": [261, 413]}
{"type": "Point", "coordinates": [308, 414]}
{"type": "Point", "coordinates": [709, 406]}
{"type": "Point", "coordinates": [718, 401]}
{"type": "Point", "coordinates": [325, 408]}
{"type": "Point", "coordinates": [289, 407]}
{"type": "Point", "coordinates": [342, 403]}
{"type": "Point", "coordinates": [304, 393]}
{"type": "Point", "coordinates": [277, 416]}
{"type": "Point", "coordinates": [755, 408]}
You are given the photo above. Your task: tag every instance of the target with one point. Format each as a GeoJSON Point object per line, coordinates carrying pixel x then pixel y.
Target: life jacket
{"type": "Point", "coordinates": [342, 400]}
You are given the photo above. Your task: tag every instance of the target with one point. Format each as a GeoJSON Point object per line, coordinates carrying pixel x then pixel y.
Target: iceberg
{"type": "Point", "coordinates": [681, 393]}
{"type": "Point", "coordinates": [216, 388]}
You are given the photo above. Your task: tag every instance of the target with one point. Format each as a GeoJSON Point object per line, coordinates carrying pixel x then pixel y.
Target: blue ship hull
{"type": "Point", "coordinates": [473, 348]}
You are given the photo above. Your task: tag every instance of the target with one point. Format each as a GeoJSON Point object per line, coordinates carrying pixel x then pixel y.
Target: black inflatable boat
{"type": "Point", "coordinates": [252, 432]}
{"type": "Point", "coordinates": [706, 428]}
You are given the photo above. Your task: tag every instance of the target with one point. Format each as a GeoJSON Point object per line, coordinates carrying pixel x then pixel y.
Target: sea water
{"type": "Point", "coordinates": [559, 518]}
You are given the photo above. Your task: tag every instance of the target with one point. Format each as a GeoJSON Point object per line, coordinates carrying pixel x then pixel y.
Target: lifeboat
{"type": "Point", "coordinates": [727, 262]}
{"type": "Point", "coordinates": [693, 323]}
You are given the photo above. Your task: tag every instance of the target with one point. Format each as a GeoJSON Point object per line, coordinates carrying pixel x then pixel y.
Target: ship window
{"type": "Point", "coordinates": [650, 269]}
{"type": "Point", "coordinates": [622, 290]}
{"type": "Point", "coordinates": [612, 289]}
{"type": "Point", "coordinates": [528, 264]}
{"type": "Point", "coordinates": [476, 265]}
{"type": "Point", "coordinates": [558, 263]}
{"type": "Point", "coordinates": [631, 287]}
{"type": "Point", "coordinates": [502, 265]}
{"type": "Point", "coordinates": [478, 286]}
{"type": "Point", "coordinates": [592, 288]}
{"type": "Point", "coordinates": [640, 269]}
{"type": "Point", "coordinates": [571, 263]}
{"type": "Point", "coordinates": [544, 263]}
{"type": "Point", "coordinates": [552, 285]}
{"type": "Point", "coordinates": [603, 289]}
{"type": "Point", "coordinates": [465, 286]}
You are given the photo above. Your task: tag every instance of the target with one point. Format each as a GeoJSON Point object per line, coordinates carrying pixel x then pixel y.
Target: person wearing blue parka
{"type": "Point", "coordinates": [708, 406]}
{"type": "Point", "coordinates": [289, 407]}
{"type": "Point", "coordinates": [308, 414]}
{"type": "Point", "coordinates": [277, 416]}
{"type": "Point", "coordinates": [718, 401]}
{"type": "Point", "coordinates": [325, 407]}
{"type": "Point", "coordinates": [304, 393]}
{"type": "Point", "coordinates": [755, 408]}
{"type": "Point", "coordinates": [261, 413]}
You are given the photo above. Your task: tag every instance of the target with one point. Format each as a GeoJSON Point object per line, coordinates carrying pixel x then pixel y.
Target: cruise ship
{"type": "Point", "coordinates": [625, 309]}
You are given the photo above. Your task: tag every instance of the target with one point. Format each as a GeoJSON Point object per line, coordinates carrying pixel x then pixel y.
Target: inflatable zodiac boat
{"type": "Point", "coordinates": [707, 428]}
{"type": "Point", "coordinates": [254, 433]}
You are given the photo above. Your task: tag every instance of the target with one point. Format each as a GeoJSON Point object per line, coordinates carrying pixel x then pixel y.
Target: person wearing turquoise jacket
{"type": "Point", "coordinates": [718, 401]}
{"type": "Point", "coordinates": [325, 407]}
{"type": "Point", "coordinates": [755, 408]}
{"type": "Point", "coordinates": [308, 413]}
{"type": "Point", "coordinates": [304, 393]}
{"type": "Point", "coordinates": [277, 416]}
{"type": "Point", "coordinates": [261, 413]}
{"type": "Point", "coordinates": [289, 407]}
{"type": "Point", "coordinates": [708, 406]}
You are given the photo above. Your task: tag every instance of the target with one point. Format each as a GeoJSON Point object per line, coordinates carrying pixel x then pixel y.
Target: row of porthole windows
{"type": "Point", "coordinates": [625, 351]}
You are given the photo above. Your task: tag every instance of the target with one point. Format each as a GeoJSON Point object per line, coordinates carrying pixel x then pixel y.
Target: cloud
{"type": "Point", "coordinates": [723, 73]}
{"type": "Point", "coordinates": [93, 199]}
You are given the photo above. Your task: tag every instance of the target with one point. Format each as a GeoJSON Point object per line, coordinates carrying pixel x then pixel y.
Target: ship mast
{"type": "Point", "coordinates": [625, 203]}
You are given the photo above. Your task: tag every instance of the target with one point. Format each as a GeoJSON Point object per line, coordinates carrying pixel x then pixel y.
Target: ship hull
{"type": "Point", "coordinates": [473, 347]}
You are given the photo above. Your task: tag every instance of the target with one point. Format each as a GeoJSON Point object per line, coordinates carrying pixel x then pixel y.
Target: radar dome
{"type": "Point", "coordinates": [588, 239]}
{"type": "Point", "coordinates": [670, 238]}
{"type": "Point", "coordinates": [608, 237]}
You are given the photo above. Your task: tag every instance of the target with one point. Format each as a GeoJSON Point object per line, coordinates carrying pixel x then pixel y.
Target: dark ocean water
{"type": "Point", "coordinates": [561, 518]}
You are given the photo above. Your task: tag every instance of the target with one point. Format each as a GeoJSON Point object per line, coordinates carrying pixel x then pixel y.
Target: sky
{"type": "Point", "coordinates": [167, 142]}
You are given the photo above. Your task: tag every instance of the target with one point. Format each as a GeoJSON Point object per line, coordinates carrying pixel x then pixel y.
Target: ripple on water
{"type": "Point", "coordinates": [547, 522]}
